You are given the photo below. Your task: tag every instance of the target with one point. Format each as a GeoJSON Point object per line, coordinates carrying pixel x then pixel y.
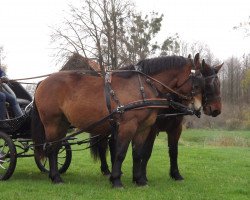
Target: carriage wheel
{"type": "Point", "coordinates": [63, 159]}
{"type": "Point", "coordinates": [8, 156]}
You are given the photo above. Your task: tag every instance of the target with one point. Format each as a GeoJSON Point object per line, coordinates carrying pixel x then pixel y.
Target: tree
{"type": "Point", "coordinates": [246, 78]}
{"type": "Point", "coordinates": [171, 45]}
{"type": "Point", "coordinates": [139, 35]}
{"type": "Point", "coordinates": [233, 92]}
{"type": "Point", "coordinates": [89, 28]}
{"type": "Point", "coordinates": [244, 26]}
{"type": "Point", "coordinates": [2, 57]}
{"type": "Point", "coordinates": [109, 31]}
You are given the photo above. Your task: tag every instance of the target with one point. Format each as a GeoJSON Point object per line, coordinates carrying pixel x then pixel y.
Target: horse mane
{"type": "Point", "coordinates": [155, 65]}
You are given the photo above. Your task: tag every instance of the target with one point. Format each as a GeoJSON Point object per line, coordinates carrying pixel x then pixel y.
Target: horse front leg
{"type": "Point", "coordinates": [141, 155]}
{"type": "Point", "coordinates": [52, 153]}
{"type": "Point", "coordinates": [138, 177]}
{"type": "Point", "coordinates": [122, 140]}
{"type": "Point", "coordinates": [121, 150]}
{"type": "Point", "coordinates": [147, 151]}
{"type": "Point", "coordinates": [173, 139]}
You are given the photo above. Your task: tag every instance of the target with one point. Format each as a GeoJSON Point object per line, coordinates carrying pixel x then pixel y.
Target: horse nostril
{"type": "Point", "coordinates": [215, 113]}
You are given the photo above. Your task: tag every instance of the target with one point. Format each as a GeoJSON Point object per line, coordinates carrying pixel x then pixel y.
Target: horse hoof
{"type": "Point", "coordinates": [177, 177]}
{"type": "Point", "coordinates": [106, 173]}
{"type": "Point", "coordinates": [140, 182]}
{"type": "Point", "coordinates": [118, 187]}
{"type": "Point", "coordinates": [116, 183]}
{"type": "Point", "coordinates": [57, 180]}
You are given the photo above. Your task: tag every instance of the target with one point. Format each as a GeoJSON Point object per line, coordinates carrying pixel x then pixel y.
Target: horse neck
{"type": "Point", "coordinates": [172, 78]}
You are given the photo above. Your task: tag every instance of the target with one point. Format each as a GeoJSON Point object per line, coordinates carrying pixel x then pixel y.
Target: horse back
{"type": "Point", "coordinates": [72, 95]}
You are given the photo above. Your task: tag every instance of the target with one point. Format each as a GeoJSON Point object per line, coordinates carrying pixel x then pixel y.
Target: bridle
{"type": "Point", "coordinates": [197, 83]}
{"type": "Point", "coordinates": [210, 87]}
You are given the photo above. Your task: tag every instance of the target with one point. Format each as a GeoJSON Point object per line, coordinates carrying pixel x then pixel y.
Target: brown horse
{"type": "Point", "coordinates": [72, 98]}
{"type": "Point", "coordinates": [172, 125]}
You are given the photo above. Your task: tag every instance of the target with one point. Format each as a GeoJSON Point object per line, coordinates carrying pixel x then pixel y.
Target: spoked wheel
{"type": "Point", "coordinates": [8, 156]}
{"type": "Point", "coordinates": [63, 159]}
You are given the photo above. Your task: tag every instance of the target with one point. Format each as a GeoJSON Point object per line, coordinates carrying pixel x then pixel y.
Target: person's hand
{"type": "Point", "coordinates": [4, 79]}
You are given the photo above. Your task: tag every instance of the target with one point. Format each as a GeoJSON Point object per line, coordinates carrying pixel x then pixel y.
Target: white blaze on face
{"type": "Point", "coordinates": [197, 102]}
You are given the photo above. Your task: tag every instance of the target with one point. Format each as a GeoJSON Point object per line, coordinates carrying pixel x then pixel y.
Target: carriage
{"type": "Point", "coordinates": [15, 137]}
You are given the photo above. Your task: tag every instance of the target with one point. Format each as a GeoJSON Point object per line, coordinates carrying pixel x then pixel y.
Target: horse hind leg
{"type": "Point", "coordinates": [98, 149]}
{"type": "Point", "coordinates": [52, 152]}
{"type": "Point", "coordinates": [102, 148]}
{"type": "Point", "coordinates": [54, 132]}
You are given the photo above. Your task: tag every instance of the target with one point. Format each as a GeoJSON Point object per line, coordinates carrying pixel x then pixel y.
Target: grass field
{"type": "Point", "coordinates": [215, 165]}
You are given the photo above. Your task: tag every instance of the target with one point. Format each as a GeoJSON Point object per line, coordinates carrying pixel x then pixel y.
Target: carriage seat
{"type": "Point", "coordinates": [23, 101]}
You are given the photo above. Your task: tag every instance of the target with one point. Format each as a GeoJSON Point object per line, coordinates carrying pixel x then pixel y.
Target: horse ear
{"type": "Point", "coordinates": [217, 68]}
{"type": "Point", "coordinates": [203, 64]}
{"type": "Point", "coordinates": [189, 56]}
{"type": "Point", "coordinates": [197, 61]}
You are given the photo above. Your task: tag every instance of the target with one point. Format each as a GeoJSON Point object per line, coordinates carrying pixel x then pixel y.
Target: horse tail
{"type": "Point", "coordinates": [37, 132]}
{"type": "Point", "coordinates": [98, 147]}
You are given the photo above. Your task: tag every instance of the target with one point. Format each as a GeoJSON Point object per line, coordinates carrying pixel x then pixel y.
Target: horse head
{"type": "Point", "coordinates": [211, 99]}
{"type": "Point", "coordinates": [193, 86]}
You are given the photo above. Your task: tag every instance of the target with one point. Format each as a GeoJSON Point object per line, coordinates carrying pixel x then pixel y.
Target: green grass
{"type": "Point", "coordinates": [211, 170]}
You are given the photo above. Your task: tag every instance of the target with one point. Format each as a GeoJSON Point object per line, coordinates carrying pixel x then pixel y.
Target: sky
{"type": "Point", "coordinates": [25, 28]}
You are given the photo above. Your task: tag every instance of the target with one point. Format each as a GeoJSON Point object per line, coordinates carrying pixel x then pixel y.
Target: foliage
{"type": "Point", "coordinates": [210, 172]}
{"type": "Point", "coordinates": [246, 80]}
{"type": "Point", "coordinates": [138, 37]}
{"type": "Point", "coordinates": [171, 45]}
{"type": "Point", "coordinates": [244, 26]}
{"type": "Point", "coordinates": [233, 117]}
{"type": "Point", "coordinates": [111, 32]}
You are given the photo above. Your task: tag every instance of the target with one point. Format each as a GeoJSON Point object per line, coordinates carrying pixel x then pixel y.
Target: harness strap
{"type": "Point", "coordinates": [141, 88]}
{"type": "Point", "coordinates": [152, 103]}
{"type": "Point", "coordinates": [156, 81]}
{"type": "Point", "coordinates": [148, 103]}
{"type": "Point", "coordinates": [107, 90]}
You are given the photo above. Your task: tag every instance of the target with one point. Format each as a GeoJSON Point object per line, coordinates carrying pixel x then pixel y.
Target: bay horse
{"type": "Point", "coordinates": [211, 104]}
{"type": "Point", "coordinates": [69, 98]}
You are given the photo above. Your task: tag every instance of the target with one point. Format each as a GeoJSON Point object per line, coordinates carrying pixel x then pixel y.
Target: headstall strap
{"type": "Point", "coordinates": [107, 89]}
{"type": "Point", "coordinates": [155, 90]}
{"type": "Point", "coordinates": [142, 90]}
{"type": "Point", "coordinates": [109, 92]}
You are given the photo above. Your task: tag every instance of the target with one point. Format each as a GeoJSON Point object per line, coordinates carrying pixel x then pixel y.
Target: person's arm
{"type": "Point", "coordinates": [4, 79]}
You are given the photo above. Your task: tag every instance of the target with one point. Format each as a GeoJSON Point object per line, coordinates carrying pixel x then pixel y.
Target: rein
{"type": "Point", "coordinates": [155, 80]}
{"type": "Point", "coordinates": [152, 103]}
{"type": "Point", "coordinates": [29, 78]}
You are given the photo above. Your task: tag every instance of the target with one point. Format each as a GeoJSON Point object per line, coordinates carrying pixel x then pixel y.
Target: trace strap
{"type": "Point", "coordinates": [153, 103]}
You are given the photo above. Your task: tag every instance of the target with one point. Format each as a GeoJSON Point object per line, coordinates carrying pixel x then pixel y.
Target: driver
{"type": "Point", "coordinates": [7, 97]}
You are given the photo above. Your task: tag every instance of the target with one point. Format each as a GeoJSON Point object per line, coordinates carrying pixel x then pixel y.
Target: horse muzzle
{"type": "Point", "coordinates": [208, 110]}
